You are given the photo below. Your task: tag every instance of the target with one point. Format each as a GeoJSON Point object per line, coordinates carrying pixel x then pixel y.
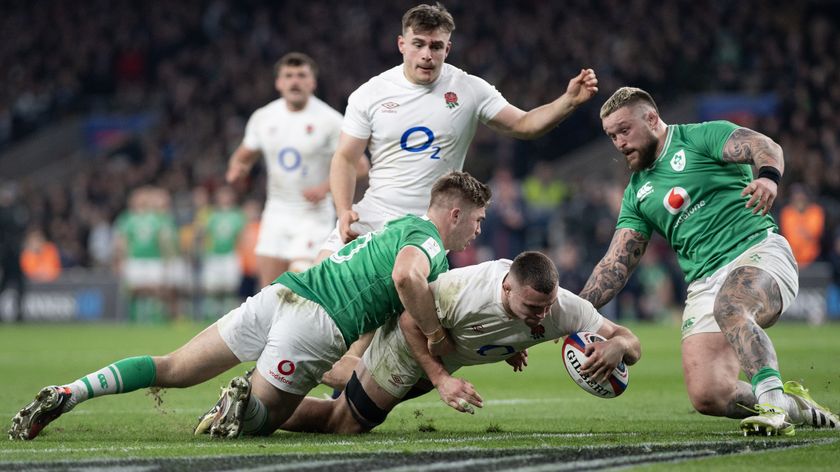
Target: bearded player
{"type": "Point", "coordinates": [692, 183]}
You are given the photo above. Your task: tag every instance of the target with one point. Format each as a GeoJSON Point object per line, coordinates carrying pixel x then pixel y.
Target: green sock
{"type": "Point", "coordinates": [123, 376]}
{"type": "Point", "coordinates": [767, 387]}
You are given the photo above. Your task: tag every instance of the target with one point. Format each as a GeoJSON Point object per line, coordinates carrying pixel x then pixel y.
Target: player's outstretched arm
{"type": "Point", "coordinates": [343, 174]}
{"type": "Point", "coordinates": [746, 146]}
{"type": "Point", "coordinates": [411, 270]}
{"type": "Point", "coordinates": [240, 163]}
{"type": "Point", "coordinates": [457, 393]}
{"type": "Point", "coordinates": [611, 273]}
{"type": "Point", "coordinates": [517, 123]}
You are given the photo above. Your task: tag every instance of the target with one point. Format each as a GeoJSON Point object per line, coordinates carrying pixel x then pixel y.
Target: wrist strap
{"type": "Point", "coordinates": [440, 331]}
{"type": "Point", "coordinates": [770, 172]}
{"type": "Point", "coordinates": [437, 341]}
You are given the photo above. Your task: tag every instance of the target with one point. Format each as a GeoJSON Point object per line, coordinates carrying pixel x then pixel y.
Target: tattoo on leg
{"type": "Point", "coordinates": [749, 298]}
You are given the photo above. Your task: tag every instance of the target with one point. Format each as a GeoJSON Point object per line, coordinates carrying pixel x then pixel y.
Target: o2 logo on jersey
{"type": "Point", "coordinates": [289, 158]}
{"type": "Point", "coordinates": [430, 139]}
{"type": "Point", "coordinates": [676, 200]}
{"type": "Point", "coordinates": [495, 350]}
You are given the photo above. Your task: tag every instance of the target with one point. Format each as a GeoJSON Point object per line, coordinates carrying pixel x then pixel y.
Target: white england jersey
{"type": "Point", "coordinates": [297, 147]}
{"type": "Point", "coordinates": [417, 132]}
{"type": "Point", "coordinates": [469, 304]}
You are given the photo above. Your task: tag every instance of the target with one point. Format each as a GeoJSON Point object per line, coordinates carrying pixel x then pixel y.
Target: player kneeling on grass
{"type": "Point", "coordinates": [300, 325]}
{"type": "Point", "coordinates": [493, 311]}
{"type": "Point", "coordinates": [692, 184]}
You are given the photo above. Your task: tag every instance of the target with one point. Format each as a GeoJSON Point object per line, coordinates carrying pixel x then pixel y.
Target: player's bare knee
{"type": "Point", "coordinates": [166, 372]}
{"type": "Point", "coordinates": [709, 403]}
{"type": "Point", "coordinates": [342, 421]}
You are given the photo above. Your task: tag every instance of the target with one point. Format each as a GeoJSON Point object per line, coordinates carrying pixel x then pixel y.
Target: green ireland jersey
{"type": "Point", "coordinates": [223, 229]}
{"type": "Point", "coordinates": [693, 199]}
{"type": "Point", "coordinates": [143, 233]}
{"type": "Point", "coordinates": [354, 285]}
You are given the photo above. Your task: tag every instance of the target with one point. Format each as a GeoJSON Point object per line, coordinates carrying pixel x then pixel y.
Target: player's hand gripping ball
{"type": "Point", "coordinates": [574, 347]}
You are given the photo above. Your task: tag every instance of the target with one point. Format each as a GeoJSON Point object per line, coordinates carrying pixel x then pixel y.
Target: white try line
{"type": "Point", "coordinates": [327, 443]}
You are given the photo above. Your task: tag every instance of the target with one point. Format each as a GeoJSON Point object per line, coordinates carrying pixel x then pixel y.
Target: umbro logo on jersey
{"type": "Point", "coordinates": [678, 161]}
{"type": "Point", "coordinates": [644, 191]}
{"type": "Point", "coordinates": [310, 129]}
{"type": "Point", "coordinates": [390, 107]}
{"type": "Point", "coordinates": [676, 200]}
{"type": "Point", "coordinates": [451, 99]}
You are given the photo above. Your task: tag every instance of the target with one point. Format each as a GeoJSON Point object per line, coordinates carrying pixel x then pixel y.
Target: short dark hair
{"type": "Point", "coordinates": [536, 270]}
{"type": "Point", "coordinates": [427, 18]}
{"type": "Point", "coordinates": [626, 96]}
{"type": "Point", "coordinates": [461, 186]}
{"type": "Point", "coordinates": [296, 59]}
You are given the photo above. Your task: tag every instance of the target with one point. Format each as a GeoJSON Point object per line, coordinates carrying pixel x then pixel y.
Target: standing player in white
{"type": "Point", "coordinates": [494, 311]}
{"type": "Point", "coordinates": [417, 120]}
{"type": "Point", "coordinates": [297, 134]}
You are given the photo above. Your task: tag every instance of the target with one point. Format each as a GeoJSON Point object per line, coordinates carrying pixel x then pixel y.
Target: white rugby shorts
{"type": "Point", "coordinates": [389, 360]}
{"type": "Point", "coordinates": [292, 339]}
{"type": "Point", "coordinates": [221, 273]}
{"type": "Point", "coordinates": [292, 235]}
{"type": "Point", "coordinates": [144, 273]}
{"type": "Point", "coordinates": [772, 255]}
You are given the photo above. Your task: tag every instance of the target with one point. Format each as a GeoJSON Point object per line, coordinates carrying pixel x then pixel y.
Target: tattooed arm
{"type": "Point", "coordinates": [746, 146]}
{"type": "Point", "coordinates": [610, 275]}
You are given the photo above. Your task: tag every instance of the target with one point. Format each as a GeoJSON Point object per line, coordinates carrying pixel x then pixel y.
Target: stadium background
{"type": "Point", "coordinates": [104, 97]}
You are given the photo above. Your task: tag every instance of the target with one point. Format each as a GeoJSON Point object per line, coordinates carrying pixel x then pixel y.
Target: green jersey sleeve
{"type": "Point", "coordinates": [709, 138]}
{"type": "Point", "coordinates": [629, 217]}
{"type": "Point", "coordinates": [429, 245]}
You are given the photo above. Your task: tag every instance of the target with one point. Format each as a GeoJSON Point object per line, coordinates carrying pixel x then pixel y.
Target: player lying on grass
{"type": "Point", "coordinates": [692, 184]}
{"type": "Point", "coordinates": [493, 311]}
{"type": "Point", "coordinates": [300, 325]}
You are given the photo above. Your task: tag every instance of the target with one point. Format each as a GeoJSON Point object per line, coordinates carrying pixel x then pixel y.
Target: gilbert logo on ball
{"type": "Point", "coordinates": [574, 356]}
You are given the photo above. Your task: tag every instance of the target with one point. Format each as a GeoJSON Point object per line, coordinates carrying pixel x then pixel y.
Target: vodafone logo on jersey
{"type": "Point", "coordinates": [676, 200]}
{"type": "Point", "coordinates": [286, 367]}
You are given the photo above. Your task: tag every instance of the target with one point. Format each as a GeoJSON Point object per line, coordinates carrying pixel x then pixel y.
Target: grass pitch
{"type": "Point", "coordinates": [536, 420]}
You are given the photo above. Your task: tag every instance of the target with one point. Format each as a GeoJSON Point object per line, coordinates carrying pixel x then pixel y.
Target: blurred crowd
{"type": "Point", "coordinates": [203, 66]}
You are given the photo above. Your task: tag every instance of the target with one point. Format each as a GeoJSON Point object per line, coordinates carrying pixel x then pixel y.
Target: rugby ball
{"type": "Point", "coordinates": [574, 347]}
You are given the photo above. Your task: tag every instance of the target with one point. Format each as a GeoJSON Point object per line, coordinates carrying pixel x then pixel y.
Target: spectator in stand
{"type": "Point", "coordinates": [13, 219]}
{"type": "Point", "coordinates": [40, 260]}
{"type": "Point", "coordinates": [246, 248]}
{"type": "Point", "coordinates": [802, 222]}
{"type": "Point", "coordinates": [506, 225]}
{"type": "Point", "coordinates": [833, 291]}
{"type": "Point", "coordinates": [542, 193]}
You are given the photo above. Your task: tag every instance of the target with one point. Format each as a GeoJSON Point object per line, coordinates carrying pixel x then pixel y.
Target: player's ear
{"type": "Point", "coordinates": [454, 214]}
{"type": "Point", "coordinates": [652, 117]}
{"type": "Point", "coordinates": [448, 48]}
{"type": "Point", "coordinates": [401, 44]}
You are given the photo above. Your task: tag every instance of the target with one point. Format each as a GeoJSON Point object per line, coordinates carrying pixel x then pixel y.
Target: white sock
{"type": "Point", "coordinates": [770, 391]}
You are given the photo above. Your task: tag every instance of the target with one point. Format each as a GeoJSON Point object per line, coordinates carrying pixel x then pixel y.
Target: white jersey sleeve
{"type": "Point", "coordinates": [489, 101]}
{"type": "Point", "coordinates": [251, 140]}
{"type": "Point", "coordinates": [571, 314]}
{"type": "Point", "coordinates": [356, 118]}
